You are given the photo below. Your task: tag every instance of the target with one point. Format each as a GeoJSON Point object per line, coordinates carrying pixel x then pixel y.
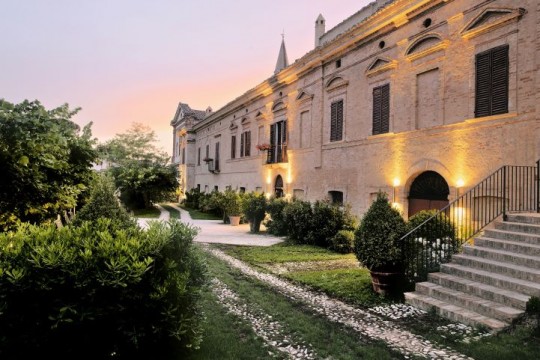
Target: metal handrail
{"type": "Point", "coordinates": [434, 241]}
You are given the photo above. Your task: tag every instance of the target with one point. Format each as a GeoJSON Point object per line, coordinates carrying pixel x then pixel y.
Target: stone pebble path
{"type": "Point", "coordinates": [367, 324]}
{"type": "Point", "coordinates": [270, 330]}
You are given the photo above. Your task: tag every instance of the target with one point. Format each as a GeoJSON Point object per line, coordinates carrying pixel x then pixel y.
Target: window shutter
{"type": "Point", "coordinates": [270, 158]}
{"type": "Point", "coordinates": [216, 162]}
{"type": "Point", "coordinates": [247, 145]}
{"type": "Point", "coordinates": [385, 108]}
{"type": "Point", "coordinates": [483, 85]}
{"type": "Point", "coordinates": [377, 100]}
{"type": "Point", "coordinates": [242, 138]}
{"type": "Point", "coordinates": [199, 156]}
{"type": "Point", "coordinates": [233, 147]}
{"type": "Point", "coordinates": [336, 121]}
{"type": "Point", "coordinates": [499, 103]}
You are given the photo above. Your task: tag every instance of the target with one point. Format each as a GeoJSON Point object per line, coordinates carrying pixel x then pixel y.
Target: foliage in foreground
{"type": "Point", "coordinates": [94, 290]}
{"type": "Point", "coordinates": [45, 162]}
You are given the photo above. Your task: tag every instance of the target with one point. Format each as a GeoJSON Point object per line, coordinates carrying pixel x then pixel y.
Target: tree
{"type": "Point", "coordinates": [45, 162]}
{"type": "Point", "coordinates": [141, 171]}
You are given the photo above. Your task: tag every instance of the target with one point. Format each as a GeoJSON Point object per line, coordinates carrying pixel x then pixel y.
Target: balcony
{"type": "Point", "coordinates": [276, 154]}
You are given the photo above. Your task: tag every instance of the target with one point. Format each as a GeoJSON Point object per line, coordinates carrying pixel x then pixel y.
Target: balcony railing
{"type": "Point", "coordinates": [509, 189]}
{"type": "Point", "coordinates": [277, 154]}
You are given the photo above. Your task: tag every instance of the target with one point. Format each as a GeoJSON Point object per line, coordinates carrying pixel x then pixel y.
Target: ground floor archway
{"type": "Point", "coordinates": [429, 191]}
{"type": "Point", "coordinates": [278, 187]}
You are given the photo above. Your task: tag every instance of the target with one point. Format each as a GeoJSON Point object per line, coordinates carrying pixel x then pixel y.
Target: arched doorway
{"type": "Point", "coordinates": [428, 191]}
{"type": "Point", "coordinates": [278, 187]}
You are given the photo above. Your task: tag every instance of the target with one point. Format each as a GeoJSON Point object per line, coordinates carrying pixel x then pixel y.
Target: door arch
{"type": "Point", "coordinates": [278, 187]}
{"type": "Point", "coordinates": [429, 191]}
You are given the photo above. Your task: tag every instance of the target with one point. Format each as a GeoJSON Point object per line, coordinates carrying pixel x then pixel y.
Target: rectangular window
{"type": "Point", "coordinates": [381, 109]}
{"type": "Point", "coordinates": [207, 152]}
{"type": "Point", "coordinates": [216, 159]}
{"type": "Point", "coordinates": [336, 121]}
{"type": "Point", "coordinates": [245, 144]}
{"type": "Point", "coordinates": [199, 156]}
{"type": "Point", "coordinates": [492, 68]}
{"type": "Point", "coordinates": [233, 147]}
{"type": "Point", "coordinates": [183, 155]}
{"type": "Point", "coordinates": [336, 197]}
{"type": "Point", "coordinates": [278, 143]}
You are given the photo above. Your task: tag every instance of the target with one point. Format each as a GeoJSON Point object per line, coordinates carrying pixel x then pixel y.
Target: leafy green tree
{"type": "Point", "coordinates": [141, 171]}
{"type": "Point", "coordinates": [45, 162]}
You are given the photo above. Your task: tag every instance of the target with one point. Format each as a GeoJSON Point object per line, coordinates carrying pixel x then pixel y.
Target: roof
{"type": "Point", "coordinates": [184, 110]}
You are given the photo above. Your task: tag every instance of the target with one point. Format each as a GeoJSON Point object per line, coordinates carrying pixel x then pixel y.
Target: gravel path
{"type": "Point", "coordinates": [270, 330]}
{"type": "Point", "coordinates": [365, 323]}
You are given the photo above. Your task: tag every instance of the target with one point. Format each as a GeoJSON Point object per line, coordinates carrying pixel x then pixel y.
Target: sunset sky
{"type": "Point", "coordinates": [125, 61]}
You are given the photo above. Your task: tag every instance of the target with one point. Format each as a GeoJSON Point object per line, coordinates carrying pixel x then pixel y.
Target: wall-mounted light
{"type": "Point", "coordinates": [459, 184]}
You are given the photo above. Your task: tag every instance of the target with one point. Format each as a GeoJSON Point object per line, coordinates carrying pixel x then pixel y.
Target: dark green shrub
{"type": "Point", "coordinates": [298, 216]}
{"type": "Point", "coordinates": [254, 208]}
{"type": "Point", "coordinates": [377, 244]}
{"type": "Point", "coordinates": [89, 292]}
{"type": "Point", "coordinates": [327, 220]}
{"type": "Point", "coordinates": [192, 198]}
{"type": "Point", "coordinates": [533, 308]}
{"type": "Point", "coordinates": [343, 242]}
{"type": "Point", "coordinates": [276, 225]}
{"type": "Point", "coordinates": [104, 204]}
{"type": "Point", "coordinates": [230, 203]}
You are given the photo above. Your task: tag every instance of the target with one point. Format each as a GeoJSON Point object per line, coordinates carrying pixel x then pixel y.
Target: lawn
{"type": "Point", "coordinates": [174, 214]}
{"type": "Point", "coordinates": [199, 215]}
{"type": "Point", "coordinates": [150, 213]}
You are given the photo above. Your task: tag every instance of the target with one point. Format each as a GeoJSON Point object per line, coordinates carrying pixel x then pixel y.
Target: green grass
{"type": "Point", "coordinates": [283, 252]}
{"type": "Point", "coordinates": [328, 339]}
{"type": "Point", "coordinates": [199, 215]}
{"type": "Point", "coordinates": [152, 213]}
{"type": "Point", "coordinates": [352, 285]}
{"type": "Point", "coordinates": [174, 214]}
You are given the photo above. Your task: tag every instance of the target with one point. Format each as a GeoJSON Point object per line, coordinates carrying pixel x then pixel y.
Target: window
{"type": "Point", "coordinates": [242, 190]}
{"type": "Point", "coordinates": [278, 143]}
{"type": "Point", "coordinates": [233, 147]}
{"type": "Point", "coordinates": [183, 155]}
{"type": "Point", "coordinates": [245, 144]}
{"type": "Point", "coordinates": [381, 109]}
{"type": "Point", "coordinates": [338, 63]}
{"type": "Point", "coordinates": [199, 156]}
{"type": "Point", "coordinates": [216, 188]}
{"type": "Point", "coordinates": [216, 159]}
{"type": "Point", "coordinates": [336, 121]}
{"type": "Point", "coordinates": [492, 82]}
{"type": "Point", "coordinates": [199, 187]}
{"type": "Point", "coordinates": [336, 197]}
{"type": "Point", "coordinates": [207, 152]}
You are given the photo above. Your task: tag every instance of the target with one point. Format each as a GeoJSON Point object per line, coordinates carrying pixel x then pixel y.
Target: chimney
{"type": "Point", "coordinates": [319, 29]}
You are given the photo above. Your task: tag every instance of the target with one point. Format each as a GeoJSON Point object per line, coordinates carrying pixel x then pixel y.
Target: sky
{"type": "Point", "coordinates": [126, 61]}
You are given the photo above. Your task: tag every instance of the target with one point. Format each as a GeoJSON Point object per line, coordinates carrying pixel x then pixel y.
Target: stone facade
{"type": "Point", "coordinates": [426, 52]}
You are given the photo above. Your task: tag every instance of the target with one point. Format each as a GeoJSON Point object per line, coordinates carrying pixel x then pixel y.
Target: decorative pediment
{"type": "Point", "coordinates": [233, 126]}
{"type": "Point", "coordinates": [380, 65]}
{"type": "Point", "coordinates": [425, 45]}
{"type": "Point", "coordinates": [278, 106]}
{"type": "Point", "coordinates": [490, 19]}
{"type": "Point", "coordinates": [260, 116]}
{"type": "Point", "coordinates": [245, 121]}
{"type": "Point", "coordinates": [336, 82]}
{"type": "Point", "coordinates": [304, 95]}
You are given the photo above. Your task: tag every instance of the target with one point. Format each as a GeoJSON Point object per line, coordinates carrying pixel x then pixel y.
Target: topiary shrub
{"type": "Point", "coordinates": [254, 208]}
{"type": "Point", "coordinates": [328, 219]}
{"type": "Point", "coordinates": [104, 204]}
{"type": "Point", "coordinates": [91, 292]}
{"type": "Point", "coordinates": [377, 243]}
{"type": "Point", "coordinates": [343, 242]}
{"type": "Point", "coordinates": [276, 225]}
{"type": "Point", "coordinates": [298, 217]}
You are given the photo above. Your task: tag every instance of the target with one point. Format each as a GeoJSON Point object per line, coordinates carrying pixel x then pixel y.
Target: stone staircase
{"type": "Point", "coordinates": [490, 282]}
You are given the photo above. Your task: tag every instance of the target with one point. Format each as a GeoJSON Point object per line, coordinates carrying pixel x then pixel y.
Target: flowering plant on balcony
{"type": "Point", "coordinates": [263, 147]}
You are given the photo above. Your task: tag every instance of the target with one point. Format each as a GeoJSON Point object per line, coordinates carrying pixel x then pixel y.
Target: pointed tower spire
{"type": "Point", "coordinates": [282, 61]}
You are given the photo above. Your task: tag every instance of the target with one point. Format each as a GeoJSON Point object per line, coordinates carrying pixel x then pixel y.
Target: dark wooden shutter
{"type": "Point", "coordinates": [492, 73]}
{"type": "Point", "coordinates": [216, 161]}
{"type": "Point", "coordinates": [242, 141]}
{"type": "Point", "coordinates": [247, 150]}
{"type": "Point", "coordinates": [284, 143]}
{"type": "Point", "coordinates": [336, 121]}
{"type": "Point", "coordinates": [500, 68]}
{"type": "Point", "coordinates": [199, 156]}
{"type": "Point", "coordinates": [270, 158]}
{"type": "Point", "coordinates": [381, 109]}
{"type": "Point", "coordinates": [207, 151]}
{"type": "Point", "coordinates": [233, 146]}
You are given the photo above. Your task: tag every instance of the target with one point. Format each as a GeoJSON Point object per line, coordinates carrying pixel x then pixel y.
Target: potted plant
{"type": "Point", "coordinates": [232, 207]}
{"type": "Point", "coordinates": [377, 245]}
{"type": "Point", "coordinates": [254, 208]}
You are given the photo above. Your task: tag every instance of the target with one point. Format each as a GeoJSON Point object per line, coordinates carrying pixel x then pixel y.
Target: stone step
{"type": "Point", "coordinates": [494, 279]}
{"type": "Point", "coordinates": [528, 218]}
{"type": "Point", "coordinates": [513, 246]}
{"type": "Point", "coordinates": [469, 301]}
{"type": "Point", "coordinates": [453, 312]}
{"type": "Point", "coordinates": [518, 227]}
{"type": "Point", "coordinates": [520, 259]}
{"type": "Point", "coordinates": [512, 236]}
{"type": "Point", "coordinates": [502, 296]}
{"type": "Point", "coordinates": [507, 269]}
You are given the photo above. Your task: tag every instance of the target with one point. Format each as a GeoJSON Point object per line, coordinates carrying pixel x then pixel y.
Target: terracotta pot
{"type": "Point", "coordinates": [235, 220]}
{"type": "Point", "coordinates": [386, 282]}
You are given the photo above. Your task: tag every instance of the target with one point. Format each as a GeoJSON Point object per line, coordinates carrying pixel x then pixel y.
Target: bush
{"type": "Point", "coordinates": [377, 244]}
{"type": "Point", "coordinates": [298, 217]}
{"type": "Point", "coordinates": [193, 197]}
{"type": "Point", "coordinates": [89, 291]}
{"type": "Point", "coordinates": [327, 220]}
{"type": "Point", "coordinates": [343, 242]}
{"type": "Point", "coordinates": [230, 203]}
{"type": "Point", "coordinates": [254, 208]}
{"type": "Point", "coordinates": [104, 204]}
{"type": "Point", "coordinates": [276, 225]}
{"type": "Point", "coordinates": [533, 309]}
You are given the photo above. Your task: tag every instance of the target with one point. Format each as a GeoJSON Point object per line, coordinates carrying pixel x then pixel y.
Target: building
{"type": "Point", "coordinates": [421, 99]}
